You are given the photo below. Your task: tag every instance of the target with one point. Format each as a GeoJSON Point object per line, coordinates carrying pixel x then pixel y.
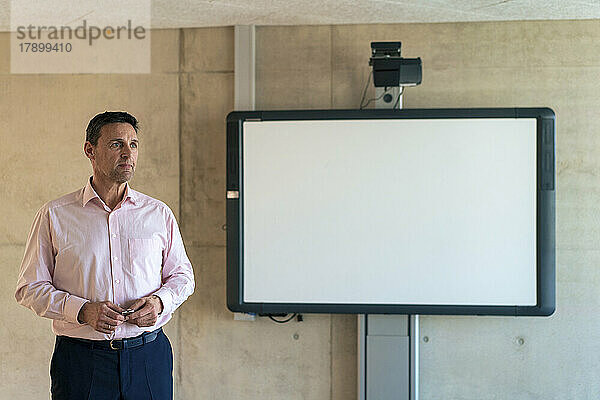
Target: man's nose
{"type": "Point", "coordinates": [126, 152]}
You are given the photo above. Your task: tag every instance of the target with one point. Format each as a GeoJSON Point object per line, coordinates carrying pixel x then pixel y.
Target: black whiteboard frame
{"type": "Point", "coordinates": [545, 221]}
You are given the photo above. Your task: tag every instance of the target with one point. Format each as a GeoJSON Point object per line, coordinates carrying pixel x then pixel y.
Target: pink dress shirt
{"type": "Point", "coordinates": [80, 250]}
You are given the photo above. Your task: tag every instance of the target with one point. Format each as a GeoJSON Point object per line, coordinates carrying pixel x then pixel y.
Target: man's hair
{"type": "Point", "coordinates": [92, 133]}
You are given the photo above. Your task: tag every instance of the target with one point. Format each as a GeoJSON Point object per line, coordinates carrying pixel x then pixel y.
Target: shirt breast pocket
{"type": "Point", "coordinates": [145, 258]}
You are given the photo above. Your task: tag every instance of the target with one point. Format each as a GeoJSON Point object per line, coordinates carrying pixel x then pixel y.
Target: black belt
{"type": "Point", "coordinates": [117, 344]}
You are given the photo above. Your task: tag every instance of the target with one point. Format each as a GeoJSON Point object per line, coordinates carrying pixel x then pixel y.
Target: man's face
{"type": "Point", "coordinates": [115, 154]}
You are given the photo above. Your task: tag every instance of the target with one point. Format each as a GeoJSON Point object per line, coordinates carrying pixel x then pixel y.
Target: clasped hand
{"type": "Point", "coordinates": [105, 316]}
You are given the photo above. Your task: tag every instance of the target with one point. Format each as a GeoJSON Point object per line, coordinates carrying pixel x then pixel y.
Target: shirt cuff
{"type": "Point", "coordinates": [167, 299]}
{"type": "Point", "coordinates": [72, 307]}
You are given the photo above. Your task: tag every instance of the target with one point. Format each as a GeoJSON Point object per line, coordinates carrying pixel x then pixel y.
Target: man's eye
{"type": "Point", "coordinates": [115, 145]}
{"type": "Point", "coordinates": [134, 145]}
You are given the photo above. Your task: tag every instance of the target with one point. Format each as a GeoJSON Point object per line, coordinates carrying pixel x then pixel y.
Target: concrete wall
{"type": "Point", "coordinates": [184, 103]}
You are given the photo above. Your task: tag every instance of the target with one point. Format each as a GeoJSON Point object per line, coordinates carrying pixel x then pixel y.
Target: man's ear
{"type": "Point", "coordinates": [88, 149]}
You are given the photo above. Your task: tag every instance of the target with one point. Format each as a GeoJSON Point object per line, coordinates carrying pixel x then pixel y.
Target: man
{"type": "Point", "coordinates": [93, 256]}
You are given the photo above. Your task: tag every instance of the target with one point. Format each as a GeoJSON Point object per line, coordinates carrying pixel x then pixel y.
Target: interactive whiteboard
{"type": "Point", "coordinates": [428, 211]}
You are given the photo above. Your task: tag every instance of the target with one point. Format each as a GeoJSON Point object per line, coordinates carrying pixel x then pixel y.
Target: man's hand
{"type": "Point", "coordinates": [147, 310]}
{"type": "Point", "coordinates": [103, 316]}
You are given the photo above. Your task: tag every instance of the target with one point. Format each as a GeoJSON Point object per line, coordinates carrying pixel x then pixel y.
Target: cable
{"type": "Point", "coordinates": [283, 321]}
{"type": "Point", "coordinates": [377, 98]}
{"type": "Point", "coordinates": [362, 99]}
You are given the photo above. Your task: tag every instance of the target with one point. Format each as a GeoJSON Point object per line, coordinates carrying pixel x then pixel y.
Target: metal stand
{"type": "Point", "coordinates": [414, 336]}
{"type": "Point", "coordinates": [388, 357]}
{"type": "Point", "coordinates": [388, 345]}
{"type": "Point", "coordinates": [244, 93]}
{"type": "Point", "coordinates": [245, 60]}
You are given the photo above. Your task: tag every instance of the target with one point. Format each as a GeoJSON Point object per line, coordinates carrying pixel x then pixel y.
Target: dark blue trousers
{"type": "Point", "coordinates": [79, 371]}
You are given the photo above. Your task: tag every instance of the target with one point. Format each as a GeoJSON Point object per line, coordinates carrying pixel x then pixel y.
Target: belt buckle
{"type": "Point", "coordinates": [112, 346]}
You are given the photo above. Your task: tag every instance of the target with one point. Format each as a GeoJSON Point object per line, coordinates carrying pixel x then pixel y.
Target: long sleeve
{"type": "Point", "coordinates": [177, 274]}
{"type": "Point", "coordinates": [35, 289]}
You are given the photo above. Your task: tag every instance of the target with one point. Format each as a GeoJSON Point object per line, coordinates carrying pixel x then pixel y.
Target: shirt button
{"type": "Point", "coordinates": [114, 235]}
{"type": "Point", "coordinates": [117, 281]}
{"type": "Point", "coordinates": [116, 258]}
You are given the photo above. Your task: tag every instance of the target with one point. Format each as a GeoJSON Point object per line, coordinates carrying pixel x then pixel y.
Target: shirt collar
{"type": "Point", "coordinates": [89, 193]}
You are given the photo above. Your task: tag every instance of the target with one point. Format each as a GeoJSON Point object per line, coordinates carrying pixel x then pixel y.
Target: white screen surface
{"type": "Point", "coordinates": [409, 211]}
